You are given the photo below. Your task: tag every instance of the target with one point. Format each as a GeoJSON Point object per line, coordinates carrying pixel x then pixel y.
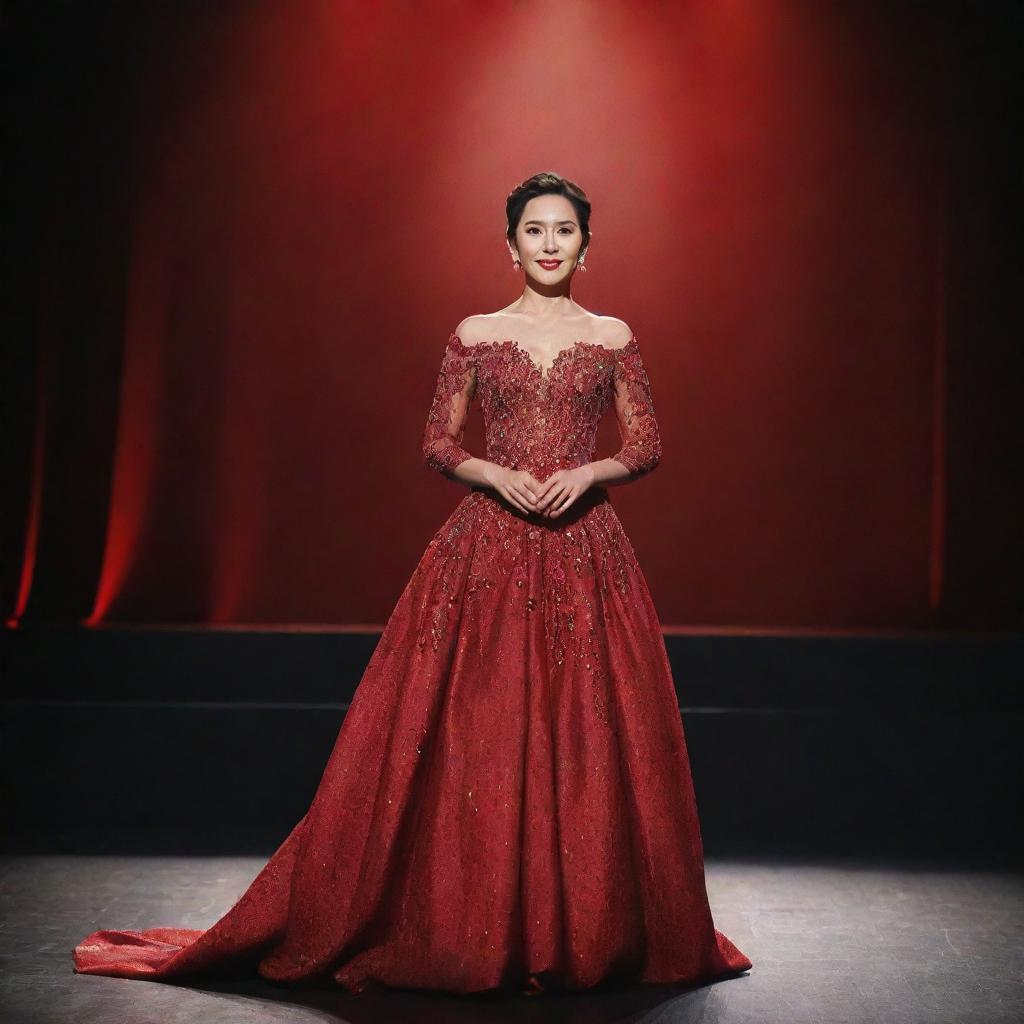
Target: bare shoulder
{"type": "Point", "coordinates": [480, 327]}
{"type": "Point", "coordinates": [613, 332]}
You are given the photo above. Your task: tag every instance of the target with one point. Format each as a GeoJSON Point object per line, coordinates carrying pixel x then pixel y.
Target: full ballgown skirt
{"type": "Point", "coordinates": [508, 802]}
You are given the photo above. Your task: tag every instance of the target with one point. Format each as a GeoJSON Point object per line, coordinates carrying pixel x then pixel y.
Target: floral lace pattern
{"type": "Point", "coordinates": [541, 420]}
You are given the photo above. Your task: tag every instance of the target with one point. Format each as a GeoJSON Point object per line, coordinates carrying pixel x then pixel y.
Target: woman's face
{"type": "Point", "coordinates": [548, 233]}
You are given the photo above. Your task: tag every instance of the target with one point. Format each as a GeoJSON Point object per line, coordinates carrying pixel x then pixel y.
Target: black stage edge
{"type": "Point", "coordinates": [178, 740]}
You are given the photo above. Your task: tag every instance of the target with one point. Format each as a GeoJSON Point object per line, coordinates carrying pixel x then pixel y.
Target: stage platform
{"type": "Point", "coordinates": [184, 740]}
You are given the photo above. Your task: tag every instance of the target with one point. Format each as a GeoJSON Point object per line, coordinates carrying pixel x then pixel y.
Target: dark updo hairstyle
{"type": "Point", "coordinates": [545, 183]}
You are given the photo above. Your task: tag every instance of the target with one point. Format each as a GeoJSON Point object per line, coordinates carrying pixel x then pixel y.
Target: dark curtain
{"type": "Point", "coordinates": [240, 233]}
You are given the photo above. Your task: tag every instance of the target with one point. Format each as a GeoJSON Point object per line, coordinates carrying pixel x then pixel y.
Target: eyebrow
{"type": "Point", "coordinates": [541, 223]}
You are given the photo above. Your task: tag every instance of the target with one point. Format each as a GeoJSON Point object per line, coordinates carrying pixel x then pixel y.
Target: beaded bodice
{"type": "Point", "coordinates": [541, 418]}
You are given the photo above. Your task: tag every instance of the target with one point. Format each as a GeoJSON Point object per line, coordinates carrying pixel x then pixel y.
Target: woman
{"type": "Point", "coordinates": [508, 802]}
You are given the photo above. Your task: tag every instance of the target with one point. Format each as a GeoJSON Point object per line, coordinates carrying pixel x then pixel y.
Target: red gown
{"type": "Point", "coordinates": [508, 802]}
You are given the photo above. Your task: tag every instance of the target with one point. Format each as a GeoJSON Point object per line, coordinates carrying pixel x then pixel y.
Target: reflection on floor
{"type": "Point", "coordinates": [836, 942]}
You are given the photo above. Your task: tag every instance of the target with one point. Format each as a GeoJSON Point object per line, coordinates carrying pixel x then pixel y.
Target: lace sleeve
{"type": "Point", "coordinates": [453, 398]}
{"type": "Point", "coordinates": [641, 440]}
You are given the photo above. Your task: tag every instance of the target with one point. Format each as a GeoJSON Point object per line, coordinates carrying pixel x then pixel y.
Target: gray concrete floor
{"type": "Point", "coordinates": [830, 943]}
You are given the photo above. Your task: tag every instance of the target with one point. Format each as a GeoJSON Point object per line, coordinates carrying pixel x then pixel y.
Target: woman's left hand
{"type": "Point", "coordinates": [562, 488]}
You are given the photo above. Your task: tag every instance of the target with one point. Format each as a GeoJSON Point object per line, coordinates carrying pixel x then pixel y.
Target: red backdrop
{"type": "Point", "coordinates": [305, 198]}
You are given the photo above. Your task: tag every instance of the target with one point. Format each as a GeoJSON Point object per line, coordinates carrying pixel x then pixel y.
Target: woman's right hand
{"type": "Point", "coordinates": [518, 486]}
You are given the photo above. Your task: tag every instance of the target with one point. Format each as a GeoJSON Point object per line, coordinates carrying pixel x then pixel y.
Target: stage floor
{"type": "Point", "coordinates": [831, 942]}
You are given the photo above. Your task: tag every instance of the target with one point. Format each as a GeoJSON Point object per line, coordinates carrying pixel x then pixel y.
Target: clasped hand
{"type": "Point", "coordinates": [550, 498]}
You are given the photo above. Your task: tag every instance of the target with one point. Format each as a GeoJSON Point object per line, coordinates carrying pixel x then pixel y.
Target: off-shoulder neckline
{"type": "Point", "coordinates": [543, 372]}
